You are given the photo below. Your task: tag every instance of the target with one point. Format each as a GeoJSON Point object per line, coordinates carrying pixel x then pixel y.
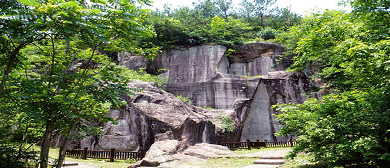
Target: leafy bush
{"type": "Point", "coordinates": [185, 99]}
{"type": "Point", "coordinates": [351, 126]}
{"type": "Point", "coordinates": [340, 129]}
{"type": "Point", "coordinates": [267, 33]}
{"type": "Point", "coordinates": [228, 31]}
{"type": "Point", "coordinates": [227, 124]}
{"type": "Point", "coordinates": [13, 156]}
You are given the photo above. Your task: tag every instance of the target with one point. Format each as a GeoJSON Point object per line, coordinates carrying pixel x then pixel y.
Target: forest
{"type": "Point", "coordinates": [59, 74]}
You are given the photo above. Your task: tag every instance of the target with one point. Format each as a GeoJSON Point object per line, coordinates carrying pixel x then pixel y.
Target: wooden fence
{"type": "Point", "coordinates": [112, 155]}
{"type": "Point", "coordinates": [257, 144]}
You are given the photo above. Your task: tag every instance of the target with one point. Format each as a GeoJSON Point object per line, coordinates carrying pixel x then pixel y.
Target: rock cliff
{"type": "Point", "coordinates": [152, 115]}
{"type": "Point", "coordinates": [246, 82]}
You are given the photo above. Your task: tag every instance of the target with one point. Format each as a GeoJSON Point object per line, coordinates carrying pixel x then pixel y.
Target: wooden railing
{"type": "Point", "coordinates": [257, 144]}
{"type": "Point", "coordinates": [289, 143]}
{"type": "Point", "coordinates": [112, 155]}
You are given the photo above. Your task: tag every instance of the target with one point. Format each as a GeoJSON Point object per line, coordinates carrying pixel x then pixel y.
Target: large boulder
{"type": "Point", "coordinates": [173, 153]}
{"type": "Point", "coordinates": [152, 114]}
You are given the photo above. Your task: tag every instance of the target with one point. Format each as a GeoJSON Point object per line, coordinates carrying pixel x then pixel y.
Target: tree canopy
{"type": "Point", "coordinates": [349, 54]}
{"type": "Point", "coordinates": [189, 26]}
{"type": "Point", "coordinates": [53, 75]}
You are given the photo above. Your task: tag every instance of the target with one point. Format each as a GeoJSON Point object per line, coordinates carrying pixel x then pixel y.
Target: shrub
{"type": "Point", "coordinates": [267, 33]}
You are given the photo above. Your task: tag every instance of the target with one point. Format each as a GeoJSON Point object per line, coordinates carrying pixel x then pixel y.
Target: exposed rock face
{"type": "Point", "coordinates": [257, 59]}
{"type": "Point", "coordinates": [132, 62]}
{"type": "Point", "coordinates": [172, 153]}
{"type": "Point", "coordinates": [278, 87]}
{"type": "Point", "coordinates": [151, 115]}
{"type": "Point", "coordinates": [211, 79]}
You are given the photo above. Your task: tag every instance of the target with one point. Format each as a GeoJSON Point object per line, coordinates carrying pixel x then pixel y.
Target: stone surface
{"type": "Point", "coordinates": [211, 79]}
{"type": "Point", "coordinates": [278, 87]}
{"type": "Point", "coordinates": [152, 115]}
{"type": "Point", "coordinates": [172, 153]}
{"type": "Point", "coordinates": [132, 62]}
{"type": "Point", "coordinates": [270, 161]}
{"type": "Point", "coordinates": [244, 85]}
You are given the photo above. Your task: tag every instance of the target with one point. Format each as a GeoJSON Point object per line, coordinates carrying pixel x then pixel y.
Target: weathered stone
{"type": "Point", "coordinates": [279, 87]}
{"type": "Point", "coordinates": [132, 62]}
{"type": "Point", "coordinates": [118, 142]}
{"type": "Point", "coordinates": [211, 79]}
{"type": "Point", "coordinates": [207, 151]}
{"type": "Point", "coordinates": [172, 153]}
{"type": "Point", "coordinates": [152, 115]}
{"type": "Point", "coordinates": [249, 82]}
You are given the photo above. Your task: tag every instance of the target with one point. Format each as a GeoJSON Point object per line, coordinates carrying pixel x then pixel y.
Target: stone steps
{"type": "Point", "coordinates": [267, 162]}
{"type": "Point", "coordinates": [270, 161]}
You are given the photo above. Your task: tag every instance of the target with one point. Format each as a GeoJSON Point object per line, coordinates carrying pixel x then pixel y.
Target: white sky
{"type": "Point", "coordinates": [298, 6]}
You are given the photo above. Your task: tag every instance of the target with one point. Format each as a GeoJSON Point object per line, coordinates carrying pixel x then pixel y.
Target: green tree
{"type": "Point", "coordinates": [64, 83]}
{"type": "Point", "coordinates": [282, 19]}
{"type": "Point", "coordinates": [227, 32]}
{"type": "Point", "coordinates": [350, 53]}
{"type": "Point", "coordinates": [207, 8]}
{"type": "Point", "coordinates": [224, 6]}
{"type": "Point", "coordinates": [256, 10]}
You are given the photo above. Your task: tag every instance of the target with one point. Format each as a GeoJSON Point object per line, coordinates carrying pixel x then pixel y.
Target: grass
{"type": "Point", "coordinates": [301, 161]}
{"type": "Point", "coordinates": [223, 162]}
{"type": "Point", "coordinates": [245, 151]}
{"type": "Point", "coordinates": [99, 163]}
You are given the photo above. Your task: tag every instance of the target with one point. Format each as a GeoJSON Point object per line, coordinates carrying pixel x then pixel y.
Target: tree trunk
{"type": "Point", "coordinates": [64, 146]}
{"type": "Point", "coordinates": [8, 68]}
{"type": "Point", "coordinates": [44, 155]}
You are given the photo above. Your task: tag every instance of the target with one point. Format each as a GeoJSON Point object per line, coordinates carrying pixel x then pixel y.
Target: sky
{"type": "Point", "coordinates": [297, 6]}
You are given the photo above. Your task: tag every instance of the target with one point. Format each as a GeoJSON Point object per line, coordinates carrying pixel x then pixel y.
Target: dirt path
{"type": "Point", "coordinates": [263, 153]}
{"type": "Point", "coordinates": [80, 165]}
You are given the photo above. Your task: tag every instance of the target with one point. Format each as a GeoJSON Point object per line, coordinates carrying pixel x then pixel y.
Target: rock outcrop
{"type": "Point", "coordinates": [173, 153]}
{"type": "Point", "coordinates": [152, 115]}
{"type": "Point", "coordinates": [245, 83]}
{"type": "Point", "coordinates": [277, 87]}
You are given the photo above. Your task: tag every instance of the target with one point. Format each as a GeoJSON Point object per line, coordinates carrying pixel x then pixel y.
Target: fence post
{"type": "Point", "coordinates": [265, 143]}
{"type": "Point", "coordinates": [62, 149]}
{"type": "Point", "coordinates": [291, 142]}
{"type": "Point", "coordinates": [249, 144]}
{"type": "Point", "coordinates": [112, 155]}
{"type": "Point", "coordinates": [141, 154]}
{"type": "Point", "coordinates": [85, 153]}
{"type": "Point", "coordinates": [258, 144]}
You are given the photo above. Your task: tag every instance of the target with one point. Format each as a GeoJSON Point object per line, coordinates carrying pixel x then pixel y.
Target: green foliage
{"type": "Point", "coordinates": [53, 76]}
{"type": "Point", "coordinates": [141, 75]}
{"type": "Point", "coordinates": [15, 157]}
{"type": "Point", "coordinates": [227, 124]}
{"type": "Point", "coordinates": [185, 99]}
{"type": "Point", "coordinates": [349, 52]}
{"type": "Point", "coordinates": [340, 129]}
{"type": "Point", "coordinates": [267, 33]}
{"type": "Point", "coordinates": [227, 32]}
{"type": "Point", "coordinates": [215, 21]}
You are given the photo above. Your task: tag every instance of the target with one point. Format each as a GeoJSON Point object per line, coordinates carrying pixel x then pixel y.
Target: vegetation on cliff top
{"type": "Point", "coordinates": [217, 21]}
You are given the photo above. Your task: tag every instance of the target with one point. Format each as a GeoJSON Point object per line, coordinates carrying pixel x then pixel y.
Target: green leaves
{"type": "Point", "coordinates": [53, 74]}
{"type": "Point", "coordinates": [29, 2]}
{"type": "Point", "coordinates": [337, 129]}
{"type": "Point", "coordinates": [350, 53]}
